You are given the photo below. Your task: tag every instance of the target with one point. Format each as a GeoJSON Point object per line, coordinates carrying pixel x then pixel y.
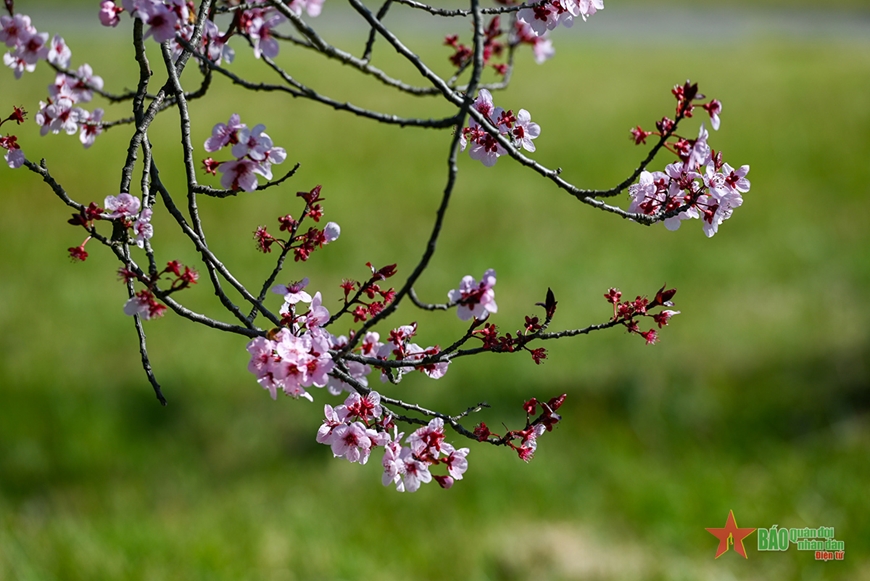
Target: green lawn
{"type": "Point", "coordinates": [755, 400]}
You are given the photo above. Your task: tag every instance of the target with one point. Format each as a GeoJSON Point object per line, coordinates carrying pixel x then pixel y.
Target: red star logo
{"type": "Point", "coordinates": [730, 534]}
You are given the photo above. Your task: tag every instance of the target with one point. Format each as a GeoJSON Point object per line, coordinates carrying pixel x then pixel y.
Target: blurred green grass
{"type": "Point", "coordinates": [755, 400]}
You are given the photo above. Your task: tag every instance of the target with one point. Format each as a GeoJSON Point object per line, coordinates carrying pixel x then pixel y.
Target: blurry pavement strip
{"type": "Point", "coordinates": [627, 23]}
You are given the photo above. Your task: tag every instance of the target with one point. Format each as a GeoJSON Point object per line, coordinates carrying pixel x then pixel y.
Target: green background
{"type": "Point", "coordinates": [755, 400]}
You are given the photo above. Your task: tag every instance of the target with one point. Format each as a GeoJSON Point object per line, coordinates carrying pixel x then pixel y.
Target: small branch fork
{"type": "Point", "coordinates": [233, 295]}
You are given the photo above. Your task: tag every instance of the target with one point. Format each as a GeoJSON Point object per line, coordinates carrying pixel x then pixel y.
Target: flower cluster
{"type": "Point", "coordinates": [125, 209]}
{"type": "Point", "coordinates": [144, 302]}
{"type": "Point", "coordinates": [518, 129]}
{"type": "Point", "coordinates": [14, 156]}
{"type": "Point", "coordinates": [535, 428]}
{"type": "Point", "coordinates": [378, 298]}
{"type": "Point", "coordinates": [294, 358]}
{"type": "Point", "coordinates": [546, 16]}
{"type": "Point", "coordinates": [361, 424]}
{"type": "Point", "coordinates": [252, 149]}
{"type": "Point", "coordinates": [492, 48]}
{"type": "Point", "coordinates": [510, 343]}
{"type": "Point", "coordinates": [700, 185]}
{"type": "Point", "coordinates": [624, 312]}
{"type": "Point", "coordinates": [58, 113]}
{"type": "Point", "coordinates": [307, 242]}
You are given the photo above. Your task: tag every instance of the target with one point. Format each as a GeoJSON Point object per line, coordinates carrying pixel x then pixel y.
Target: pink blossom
{"type": "Point", "coordinates": [216, 47]}
{"type": "Point", "coordinates": [736, 179]}
{"type": "Point", "coordinates": [81, 89]}
{"type": "Point", "coordinates": [142, 228]}
{"type": "Point", "coordinates": [331, 232]}
{"type": "Point", "coordinates": [59, 53]}
{"type": "Point", "coordinates": [14, 158]}
{"type": "Point", "coordinates": [428, 441]}
{"type": "Point", "coordinates": [542, 17]}
{"type": "Point", "coordinates": [334, 417]}
{"type": "Point", "coordinates": [366, 408]}
{"type": "Point", "coordinates": [313, 7]}
{"type": "Point", "coordinates": [91, 126]}
{"type": "Point", "coordinates": [394, 464]}
{"type": "Point", "coordinates": [63, 116]}
{"type": "Point", "coordinates": [33, 49]}
{"type": "Point", "coordinates": [109, 13]}
{"type": "Point", "coordinates": [293, 293]}
{"type": "Point", "coordinates": [457, 464]}
{"type": "Point", "coordinates": [416, 472]}
{"type": "Point", "coordinates": [15, 29]}
{"type": "Point", "coordinates": [261, 35]}
{"type": "Point", "coordinates": [475, 300]}
{"type": "Point", "coordinates": [122, 206]}
{"type": "Point", "coordinates": [317, 314]}
{"type": "Point", "coordinates": [589, 7]}
{"type": "Point", "coordinates": [700, 153]}
{"type": "Point", "coordinates": [252, 143]}
{"type": "Point", "coordinates": [143, 304]}
{"type": "Point", "coordinates": [543, 50]}
{"type": "Point", "coordinates": [370, 344]}
{"type": "Point", "coordinates": [524, 131]}
{"type": "Point", "coordinates": [663, 317]}
{"type": "Point", "coordinates": [262, 355]}
{"type": "Point", "coordinates": [224, 134]}
{"type": "Point", "coordinates": [18, 64]}
{"type": "Point", "coordinates": [353, 442]}
{"type": "Point", "coordinates": [714, 107]}
{"type": "Point", "coordinates": [162, 20]}
{"type": "Point", "coordinates": [239, 174]}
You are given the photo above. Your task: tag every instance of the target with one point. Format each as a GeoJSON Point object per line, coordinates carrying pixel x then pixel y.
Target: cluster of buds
{"type": "Point", "coordinates": [527, 437]}
{"type": "Point", "coordinates": [14, 156]}
{"type": "Point", "coordinates": [307, 242]}
{"type": "Point", "coordinates": [58, 113]}
{"type": "Point", "coordinates": [509, 343]}
{"type": "Point", "coordinates": [144, 303]}
{"type": "Point", "coordinates": [124, 210]}
{"type": "Point", "coordinates": [370, 290]}
{"type": "Point", "coordinates": [518, 129]}
{"type": "Point", "coordinates": [492, 48]}
{"type": "Point", "coordinates": [700, 185]}
{"type": "Point", "coordinates": [252, 148]}
{"type": "Point", "coordinates": [625, 312]}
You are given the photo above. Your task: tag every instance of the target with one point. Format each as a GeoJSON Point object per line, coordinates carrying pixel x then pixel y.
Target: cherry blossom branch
{"type": "Point", "coordinates": [167, 103]}
{"type": "Point", "coordinates": [299, 90]}
{"type": "Point", "coordinates": [453, 168]}
{"type": "Point", "coordinates": [370, 43]}
{"type": "Point", "coordinates": [426, 306]}
{"type": "Point", "coordinates": [179, 309]}
{"type": "Point", "coordinates": [224, 193]}
{"type": "Point", "coordinates": [210, 258]}
{"type": "Point", "coordinates": [453, 421]}
{"type": "Point", "coordinates": [146, 362]}
{"type": "Point", "coordinates": [297, 351]}
{"type": "Point", "coordinates": [464, 13]}
{"type": "Point", "coordinates": [320, 45]}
